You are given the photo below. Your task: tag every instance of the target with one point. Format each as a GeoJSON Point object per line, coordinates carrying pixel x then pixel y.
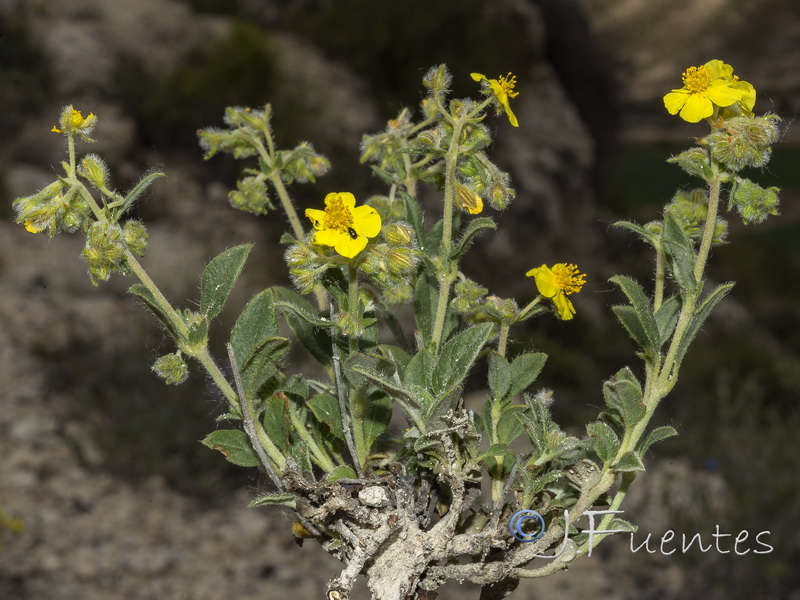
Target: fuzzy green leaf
{"type": "Point", "coordinates": [604, 440]}
{"type": "Point", "coordinates": [667, 317]}
{"type": "Point", "coordinates": [681, 255]}
{"type": "Point", "coordinates": [643, 311]}
{"type": "Point", "coordinates": [277, 422]}
{"type": "Point", "coordinates": [219, 277]}
{"type": "Point", "coordinates": [234, 445]}
{"type": "Point", "coordinates": [630, 321]}
{"type": "Point", "coordinates": [629, 461]}
{"type": "Point", "coordinates": [656, 435]}
{"type": "Point", "coordinates": [140, 188]}
{"type": "Point", "coordinates": [474, 228]}
{"type": "Point", "coordinates": [265, 363]}
{"type": "Point", "coordinates": [310, 329]}
{"type": "Point", "coordinates": [458, 355]}
{"type": "Point", "coordinates": [525, 368]}
{"type": "Point", "coordinates": [499, 375]}
{"type": "Point", "coordinates": [699, 317]}
{"type": "Point", "coordinates": [624, 394]}
{"type": "Point", "coordinates": [325, 409]}
{"type": "Point", "coordinates": [258, 321]}
{"type": "Point", "coordinates": [646, 235]}
{"type": "Point", "coordinates": [147, 297]}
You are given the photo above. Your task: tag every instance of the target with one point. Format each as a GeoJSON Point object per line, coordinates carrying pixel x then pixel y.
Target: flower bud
{"type": "Point", "coordinates": [437, 80]}
{"type": "Point", "coordinates": [251, 196]}
{"type": "Point", "coordinates": [753, 202]}
{"type": "Point", "coordinates": [745, 141]}
{"type": "Point", "coordinates": [171, 368]}
{"type": "Point", "coordinates": [72, 122]}
{"type": "Point", "coordinates": [94, 169]}
{"type": "Point", "coordinates": [104, 251]}
{"type": "Point", "coordinates": [398, 234]}
{"type": "Point", "coordinates": [135, 236]}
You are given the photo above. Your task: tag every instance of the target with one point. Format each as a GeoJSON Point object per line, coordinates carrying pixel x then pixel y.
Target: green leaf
{"type": "Point", "coordinates": [647, 235]}
{"type": "Point", "coordinates": [699, 317]}
{"type": "Point", "coordinates": [219, 277]}
{"type": "Point", "coordinates": [310, 329]}
{"type": "Point", "coordinates": [420, 369]}
{"type": "Point", "coordinates": [398, 356]}
{"type": "Point", "coordinates": [680, 255]}
{"type": "Point", "coordinates": [234, 445]}
{"type": "Point", "coordinates": [642, 310]}
{"type": "Point", "coordinates": [525, 368]}
{"type": "Point", "coordinates": [325, 409]}
{"type": "Point", "coordinates": [147, 297]}
{"type": "Point", "coordinates": [499, 375]}
{"type": "Point", "coordinates": [374, 413]}
{"type": "Point", "coordinates": [604, 440]}
{"type": "Point", "coordinates": [416, 218]}
{"type": "Point", "coordinates": [475, 226]}
{"type": "Point", "coordinates": [510, 427]}
{"type": "Point", "coordinates": [667, 317]}
{"type": "Point", "coordinates": [458, 355]}
{"type": "Point", "coordinates": [265, 363]}
{"type": "Point", "coordinates": [656, 435]}
{"type": "Point", "coordinates": [624, 394]}
{"type": "Point", "coordinates": [426, 297]}
{"type": "Point", "coordinates": [341, 472]}
{"type": "Point", "coordinates": [140, 188]}
{"type": "Point", "coordinates": [283, 499]}
{"type": "Point", "coordinates": [629, 461]}
{"type": "Point", "coordinates": [630, 321]}
{"type": "Point", "coordinates": [258, 321]}
{"type": "Point", "coordinates": [277, 422]}
{"type": "Point", "coordinates": [622, 526]}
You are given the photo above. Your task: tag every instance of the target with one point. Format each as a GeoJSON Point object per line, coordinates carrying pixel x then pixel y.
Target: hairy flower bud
{"type": "Point", "coordinates": [437, 80]}
{"type": "Point", "coordinates": [251, 196]}
{"type": "Point", "coordinates": [753, 202]}
{"type": "Point", "coordinates": [94, 169]}
{"type": "Point", "coordinates": [104, 251]}
{"type": "Point", "coordinates": [745, 141]}
{"type": "Point", "coordinates": [135, 236]}
{"type": "Point", "coordinates": [171, 368]}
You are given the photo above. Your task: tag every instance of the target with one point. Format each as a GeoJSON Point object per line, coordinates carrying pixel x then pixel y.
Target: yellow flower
{"type": "Point", "coordinates": [704, 87]}
{"type": "Point", "coordinates": [557, 283]}
{"type": "Point", "coordinates": [73, 121]}
{"type": "Point", "coordinates": [344, 225]}
{"type": "Point", "coordinates": [503, 89]}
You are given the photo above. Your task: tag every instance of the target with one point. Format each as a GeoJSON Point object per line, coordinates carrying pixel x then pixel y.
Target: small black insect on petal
{"type": "Point", "coordinates": [352, 232]}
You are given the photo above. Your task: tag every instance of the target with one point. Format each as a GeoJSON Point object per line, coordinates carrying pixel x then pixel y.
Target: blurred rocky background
{"type": "Point", "coordinates": [100, 460]}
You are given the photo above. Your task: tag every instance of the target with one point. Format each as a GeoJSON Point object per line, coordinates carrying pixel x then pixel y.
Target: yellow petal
{"type": "Point", "coordinates": [563, 306]}
{"type": "Point", "coordinates": [545, 281]}
{"type": "Point", "coordinates": [511, 118]}
{"type": "Point", "coordinates": [748, 92]}
{"type": "Point", "coordinates": [477, 76]}
{"type": "Point", "coordinates": [719, 69]}
{"type": "Point", "coordinates": [349, 247]}
{"type": "Point", "coordinates": [723, 94]}
{"type": "Point", "coordinates": [316, 216]}
{"type": "Point", "coordinates": [346, 198]}
{"type": "Point", "coordinates": [675, 100]}
{"type": "Point", "coordinates": [326, 237]}
{"type": "Point", "coordinates": [697, 108]}
{"type": "Point", "coordinates": [366, 221]}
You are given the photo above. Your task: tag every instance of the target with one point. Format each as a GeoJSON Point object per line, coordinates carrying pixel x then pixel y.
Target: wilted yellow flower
{"type": "Point", "coordinates": [467, 200]}
{"type": "Point", "coordinates": [704, 87]}
{"type": "Point", "coordinates": [502, 89]}
{"type": "Point", "coordinates": [557, 283]}
{"type": "Point", "coordinates": [344, 225]}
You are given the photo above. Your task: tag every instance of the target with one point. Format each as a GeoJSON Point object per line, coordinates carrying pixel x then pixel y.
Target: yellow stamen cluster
{"type": "Point", "coordinates": [568, 278]}
{"type": "Point", "coordinates": [508, 83]}
{"type": "Point", "coordinates": [337, 215]}
{"type": "Point", "coordinates": [696, 79]}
